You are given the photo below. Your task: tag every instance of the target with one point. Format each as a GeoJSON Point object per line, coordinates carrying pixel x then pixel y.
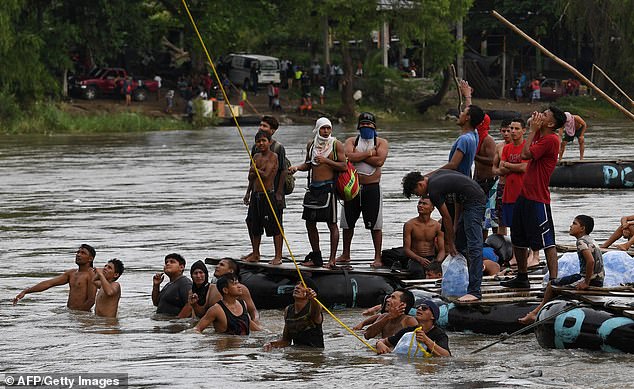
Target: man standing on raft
{"type": "Point", "coordinates": [368, 153]}
{"type": "Point", "coordinates": [324, 157]}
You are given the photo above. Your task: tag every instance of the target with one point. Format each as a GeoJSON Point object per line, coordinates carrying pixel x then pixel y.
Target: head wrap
{"type": "Point", "coordinates": [483, 130]}
{"type": "Point", "coordinates": [320, 123]}
{"type": "Point", "coordinates": [200, 290]}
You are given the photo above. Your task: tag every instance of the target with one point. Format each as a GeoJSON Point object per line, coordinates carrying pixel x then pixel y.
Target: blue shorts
{"type": "Point", "coordinates": [507, 214]}
{"type": "Point", "coordinates": [532, 225]}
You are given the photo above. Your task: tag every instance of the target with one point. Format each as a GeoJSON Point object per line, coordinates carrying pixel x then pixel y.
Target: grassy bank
{"type": "Point", "coordinates": [50, 118]}
{"type": "Point", "coordinates": [590, 107]}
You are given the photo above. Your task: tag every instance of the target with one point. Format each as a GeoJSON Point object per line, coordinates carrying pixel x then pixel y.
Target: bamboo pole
{"type": "Point", "coordinates": [564, 64]}
{"type": "Point", "coordinates": [613, 83]}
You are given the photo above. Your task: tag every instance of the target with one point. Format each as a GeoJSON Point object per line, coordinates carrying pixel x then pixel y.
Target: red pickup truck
{"type": "Point", "coordinates": [109, 81]}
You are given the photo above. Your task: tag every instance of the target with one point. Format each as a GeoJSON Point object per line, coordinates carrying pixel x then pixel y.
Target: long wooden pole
{"type": "Point", "coordinates": [564, 64]}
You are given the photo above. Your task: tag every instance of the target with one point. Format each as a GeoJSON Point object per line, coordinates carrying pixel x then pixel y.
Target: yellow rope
{"type": "Point", "coordinates": [268, 199]}
{"type": "Point", "coordinates": [419, 347]}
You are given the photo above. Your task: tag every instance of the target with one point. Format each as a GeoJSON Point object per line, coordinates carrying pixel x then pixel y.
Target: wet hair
{"type": "Point", "coordinates": [559, 115]}
{"type": "Point", "coordinates": [90, 249]}
{"type": "Point", "coordinates": [409, 183]}
{"type": "Point", "coordinates": [223, 282]}
{"type": "Point", "coordinates": [434, 266]}
{"type": "Point", "coordinates": [271, 121]}
{"type": "Point", "coordinates": [118, 267]}
{"type": "Point", "coordinates": [407, 297]}
{"type": "Point", "coordinates": [476, 115]}
{"type": "Point", "coordinates": [262, 134]}
{"type": "Point", "coordinates": [520, 121]}
{"type": "Point", "coordinates": [505, 123]}
{"type": "Point", "coordinates": [586, 222]}
{"type": "Point", "coordinates": [309, 283]}
{"type": "Point", "coordinates": [177, 257]}
{"type": "Point", "coordinates": [233, 265]}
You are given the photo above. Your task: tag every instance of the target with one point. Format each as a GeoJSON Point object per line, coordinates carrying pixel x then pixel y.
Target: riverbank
{"type": "Point", "coordinates": [112, 115]}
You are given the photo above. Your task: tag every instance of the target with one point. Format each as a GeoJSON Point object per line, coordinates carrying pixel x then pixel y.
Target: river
{"type": "Point", "coordinates": [140, 196]}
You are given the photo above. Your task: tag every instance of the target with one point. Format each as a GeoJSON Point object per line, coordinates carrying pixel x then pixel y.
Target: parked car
{"type": "Point", "coordinates": [551, 89]}
{"type": "Point", "coordinates": [238, 68]}
{"type": "Point", "coordinates": [109, 82]}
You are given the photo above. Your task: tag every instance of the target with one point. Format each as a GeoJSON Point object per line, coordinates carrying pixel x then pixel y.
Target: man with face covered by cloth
{"type": "Point", "coordinates": [324, 158]}
{"type": "Point", "coordinates": [367, 151]}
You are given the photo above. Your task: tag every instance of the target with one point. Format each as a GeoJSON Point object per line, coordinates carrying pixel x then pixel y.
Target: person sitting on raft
{"type": "Point", "coordinates": [229, 315]}
{"type": "Point", "coordinates": [626, 231]}
{"type": "Point", "coordinates": [302, 320]}
{"type": "Point", "coordinates": [590, 265]}
{"type": "Point", "coordinates": [401, 302]}
{"type": "Point", "coordinates": [434, 338]}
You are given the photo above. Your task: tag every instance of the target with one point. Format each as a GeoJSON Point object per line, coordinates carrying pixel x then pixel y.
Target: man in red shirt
{"type": "Point", "coordinates": [532, 220]}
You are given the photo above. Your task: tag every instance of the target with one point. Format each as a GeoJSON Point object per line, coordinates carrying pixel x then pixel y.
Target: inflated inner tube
{"type": "Point", "coordinates": [275, 291]}
{"type": "Point", "coordinates": [584, 327]}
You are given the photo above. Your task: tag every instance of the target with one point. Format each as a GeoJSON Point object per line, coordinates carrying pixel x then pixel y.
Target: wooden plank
{"type": "Point", "coordinates": [503, 300]}
{"type": "Point", "coordinates": [570, 248]}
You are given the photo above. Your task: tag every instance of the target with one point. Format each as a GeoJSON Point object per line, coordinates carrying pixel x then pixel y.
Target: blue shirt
{"type": "Point", "coordinates": [467, 143]}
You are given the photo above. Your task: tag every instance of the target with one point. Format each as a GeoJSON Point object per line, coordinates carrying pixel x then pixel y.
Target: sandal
{"type": "Point", "coordinates": [313, 259]}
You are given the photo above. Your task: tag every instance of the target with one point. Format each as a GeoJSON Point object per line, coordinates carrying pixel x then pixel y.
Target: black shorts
{"type": "Point", "coordinates": [260, 218]}
{"type": "Point", "coordinates": [370, 203]}
{"type": "Point", "coordinates": [532, 225]}
{"type": "Point", "coordinates": [327, 214]}
{"type": "Point", "coordinates": [568, 138]}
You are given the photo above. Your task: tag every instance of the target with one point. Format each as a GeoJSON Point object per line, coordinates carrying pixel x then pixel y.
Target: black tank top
{"type": "Point", "coordinates": [301, 329]}
{"type": "Point", "coordinates": [236, 325]}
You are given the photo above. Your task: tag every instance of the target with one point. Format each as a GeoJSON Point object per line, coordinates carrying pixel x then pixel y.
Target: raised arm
{"type": "Point", "coordinates": [61, 279]}
{"type": "Point", "coordinates": [110, 289]}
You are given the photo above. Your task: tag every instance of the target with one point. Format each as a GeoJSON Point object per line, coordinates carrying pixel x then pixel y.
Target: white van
{"type": "Point", "coordinates": [238, 67]}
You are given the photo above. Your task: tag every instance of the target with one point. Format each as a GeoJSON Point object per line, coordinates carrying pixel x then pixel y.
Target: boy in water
{"type": "Point", "coordinates": [259, 216]}
{"type": "Point", "coordinates": [590, 265]}
{"type": "Point", "coordinates": [109, 291]}
{"type": "Point", "coordinates": [302, 319]}
{"type": "Point", "coordinates": [228, 316]}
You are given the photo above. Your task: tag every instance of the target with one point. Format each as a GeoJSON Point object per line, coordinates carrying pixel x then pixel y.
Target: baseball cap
{"type": "Point", "coordinates": [366, 117]}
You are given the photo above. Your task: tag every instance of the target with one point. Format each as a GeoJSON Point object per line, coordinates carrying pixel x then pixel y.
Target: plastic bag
{"type": "Point", "coordinates": [410, 347]}
{"type": "Point", "coordinates": [618, 267]}
{"type": "Point", "coordinates": [455, 276]}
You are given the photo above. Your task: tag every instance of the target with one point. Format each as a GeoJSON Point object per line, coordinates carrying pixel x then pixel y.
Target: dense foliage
{"type": "Point", "coordinates": [41, 41]}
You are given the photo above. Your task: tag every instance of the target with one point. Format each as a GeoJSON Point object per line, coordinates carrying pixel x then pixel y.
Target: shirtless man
{"type": "Point", "coordinates": [325, 157]}
{"type": "Point", "coordinates": [172, 299]}
{"type": "Point", "coordinates": [505, 130]}
{"type": "Point", "coordinates": [367, 151]}
{"type": "Point", "coordinates": [224, 267]}
{"type": "Point", "coordinates": [81, 296]}
{"type": "Point", "coordinates": [109, 291]}
{"type": "Point", "coordinates": [401, 302]}
{"type": "Point", "coordinates": [423, 240]}
{"type": "Point", "coordinates": [260, 216]}
{"type": "Point", "coordinates": [575, 127]}
{"type": "Point", "coordinates": [229, 315]}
